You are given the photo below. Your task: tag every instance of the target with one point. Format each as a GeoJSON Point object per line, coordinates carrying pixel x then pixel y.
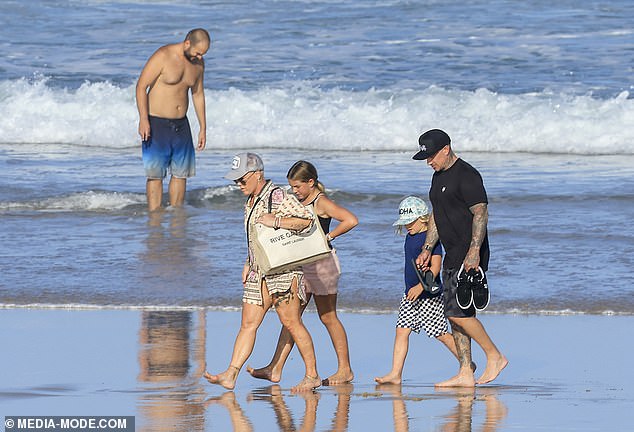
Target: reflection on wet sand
{"type": "Point", "coordinates": [171, 360]}
{"type": "Point", "coordinates": [286, 421]}
{"type": "Point", "coordinates": [239, 420]}
{"type": "Point", "coordinates": [461, 417]}
{"type": "Point", "coordinates": [496, 411]}
{"type": "Point", "coordinates": [273, 395]}
{"type": "Point", "coordinates": [399, 411]}
{"type": "Point", "coordinates": [341, 417]}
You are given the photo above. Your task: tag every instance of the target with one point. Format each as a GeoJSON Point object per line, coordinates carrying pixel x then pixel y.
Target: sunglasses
{"type": "Point", "coordinates": [244, 179]}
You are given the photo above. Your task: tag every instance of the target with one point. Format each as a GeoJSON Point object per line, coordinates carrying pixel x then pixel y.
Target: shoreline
{"type": "Point", "coordinates": [563, 370]}
{"type": "Point", "coordinates": [311, 309]}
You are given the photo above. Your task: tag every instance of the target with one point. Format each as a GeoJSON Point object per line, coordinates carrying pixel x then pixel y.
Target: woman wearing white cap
{"type": "Point", "coordinates": [422, 303]}
{"type": "Point", "coordinates": [284, 291]}
{"type": "Point", "coordinates": [321, 277]}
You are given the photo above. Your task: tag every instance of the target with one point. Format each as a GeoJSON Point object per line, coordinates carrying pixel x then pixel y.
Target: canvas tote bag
{"type": "Point", "coordinates": [278, 250]}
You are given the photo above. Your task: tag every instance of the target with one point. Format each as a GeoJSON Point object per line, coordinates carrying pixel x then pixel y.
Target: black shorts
{"type": "Point", "coordinates": [450, 286]}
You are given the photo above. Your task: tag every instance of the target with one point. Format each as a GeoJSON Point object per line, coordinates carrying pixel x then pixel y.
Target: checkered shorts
{"type": "Point", "coordinates": [425, 313]}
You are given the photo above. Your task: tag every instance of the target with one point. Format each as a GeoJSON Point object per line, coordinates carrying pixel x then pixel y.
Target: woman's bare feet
{"type": "Point", "coordinates": [493, 369]}
{"type": "Point", "coordinates": [307, 384]}
{"type": "Point", "coordinates": [265, 373]}
{"type": "Point", "coordinates": [339, 378]}
{"type": "Point", "coordinates": [227, 379]}
{"type": "Point", "coordinates": [391, 378]}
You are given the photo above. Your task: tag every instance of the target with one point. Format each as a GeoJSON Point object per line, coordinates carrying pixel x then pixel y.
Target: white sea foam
{"type": "Point", "coordinates": [85, 306]}
{"type": "Point", "coordinates": [303, 116]}
{"type": "Point", "coordinates": [81, 201]}
{"type": "Point", "coordinates": [219, 308]}
{"type": "Point", "coordinates": [213, 192]}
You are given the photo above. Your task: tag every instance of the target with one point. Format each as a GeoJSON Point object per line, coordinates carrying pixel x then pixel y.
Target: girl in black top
{"type": "Point", "coordinates": [321, 277]}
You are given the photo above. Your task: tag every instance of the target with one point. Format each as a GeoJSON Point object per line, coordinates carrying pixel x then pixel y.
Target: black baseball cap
{"type": "Point", "coordinates": [430, 143]}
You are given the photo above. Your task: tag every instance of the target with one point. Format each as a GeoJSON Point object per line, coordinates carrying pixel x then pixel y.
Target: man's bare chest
{"type": "Point", "coordinates": [180, 74]}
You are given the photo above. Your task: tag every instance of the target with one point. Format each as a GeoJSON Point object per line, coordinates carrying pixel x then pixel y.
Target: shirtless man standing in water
{"type": "Point", "coordinates": [162, 98]}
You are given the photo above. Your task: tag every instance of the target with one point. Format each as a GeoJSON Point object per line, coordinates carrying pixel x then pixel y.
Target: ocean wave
{"type": "Point", "coordinates": [231, 197]}
{"type": "Point", "coordinates": [80, 201]}
{"type": "Point", "coordinates": [311, 309]}
{"type": "Point", "coordinates": [300, 115]}
{"type": "Point", "coordinates": [86, 306]}
{"type": "Point", "coordinates": [104, 201]}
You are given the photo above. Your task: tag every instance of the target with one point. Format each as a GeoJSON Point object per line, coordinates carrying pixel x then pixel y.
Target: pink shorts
{"type": "Point", "coordinates": [322, 277]}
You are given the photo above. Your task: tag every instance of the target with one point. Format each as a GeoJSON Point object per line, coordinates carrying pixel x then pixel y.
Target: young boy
{"type": "Point", "coordinates": [419, 309]}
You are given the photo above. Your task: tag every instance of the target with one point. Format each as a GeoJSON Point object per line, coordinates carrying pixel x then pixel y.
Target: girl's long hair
{"type": "Point", "coordinates": [304, 171]}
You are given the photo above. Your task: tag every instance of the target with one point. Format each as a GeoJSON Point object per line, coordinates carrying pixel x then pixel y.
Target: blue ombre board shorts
{"type": "Point", "coordinates": [170, 146]}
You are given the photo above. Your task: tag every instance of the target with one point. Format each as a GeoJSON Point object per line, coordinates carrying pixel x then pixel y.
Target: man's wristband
{"type": "Point", "coordinates": [427, 247]}
{"type": "Point", "coordinates": [329, 238]}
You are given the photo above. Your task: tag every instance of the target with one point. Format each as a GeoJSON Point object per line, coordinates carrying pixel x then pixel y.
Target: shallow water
{"type": "Point", "coordinates": [535, 95]}
{"type": "Point", "coordinates": [91, 242]}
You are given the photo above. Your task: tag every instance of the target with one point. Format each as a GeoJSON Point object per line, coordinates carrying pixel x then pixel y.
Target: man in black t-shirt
{"type": "Point", "coordinates": [459, 220]}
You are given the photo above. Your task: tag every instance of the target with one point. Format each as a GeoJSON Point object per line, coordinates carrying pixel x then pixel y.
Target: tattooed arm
{"type": "Point", "coordinates": [478, 231]}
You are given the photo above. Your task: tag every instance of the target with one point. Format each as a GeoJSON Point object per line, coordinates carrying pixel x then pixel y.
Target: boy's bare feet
{"type": "Point", "coordinates": [390, 378]}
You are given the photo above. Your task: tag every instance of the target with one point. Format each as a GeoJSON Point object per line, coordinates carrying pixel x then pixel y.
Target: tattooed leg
{"type": "Point", "coordinates": [464, 378]}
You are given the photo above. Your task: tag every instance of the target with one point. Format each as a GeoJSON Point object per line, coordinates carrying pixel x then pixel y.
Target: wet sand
{"type": "Point", "coordinates": [565, 373]}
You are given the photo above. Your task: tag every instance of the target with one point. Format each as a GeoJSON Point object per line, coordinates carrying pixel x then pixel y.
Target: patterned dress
{"type": "Point", "coordinates": [285, 205]}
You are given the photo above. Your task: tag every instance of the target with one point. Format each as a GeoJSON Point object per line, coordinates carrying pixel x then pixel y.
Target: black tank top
{"type": "Point", "coordinates": [323, 222]}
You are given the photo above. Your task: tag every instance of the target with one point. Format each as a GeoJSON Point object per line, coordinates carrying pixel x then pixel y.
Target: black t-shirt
{"type": "Point", "coordinates": [451, 194]}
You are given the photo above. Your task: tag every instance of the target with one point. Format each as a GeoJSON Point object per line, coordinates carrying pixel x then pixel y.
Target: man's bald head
{"type": "Point", "coordinates": [198, 35]}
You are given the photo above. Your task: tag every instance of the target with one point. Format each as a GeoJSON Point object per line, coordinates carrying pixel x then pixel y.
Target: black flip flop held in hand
{"type": "Point", "coordinates": [429, 283]}
{"type": "Point", "coordinates": [426, 279]}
